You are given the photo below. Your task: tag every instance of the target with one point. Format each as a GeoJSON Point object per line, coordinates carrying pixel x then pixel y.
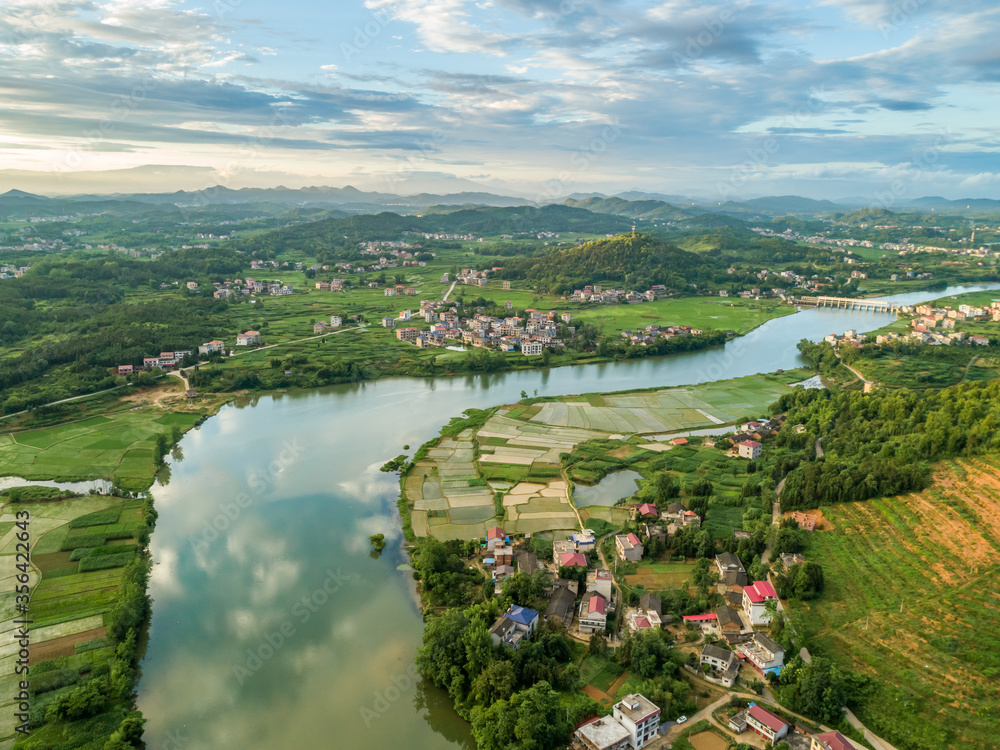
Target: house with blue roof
{"type": "Point", "coordinates": [516, 624]}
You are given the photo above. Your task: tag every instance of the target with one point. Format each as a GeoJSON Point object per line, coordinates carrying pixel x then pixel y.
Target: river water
{"type": "Point", "coordinates": [273, 626]}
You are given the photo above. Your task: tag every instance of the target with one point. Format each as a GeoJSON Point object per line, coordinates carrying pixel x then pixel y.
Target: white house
{"type": "Point", "coordinates": [768, 725]}
{"type": "Point", "coordinates": [336, 321]}
{"type": "Point", "coordinates": [600, 581]}
{"type": "Point", "coordinates": [763, 654]}
{"type": "Point", "coordinates": [749, 449]}
{"type": "Point", "coordinates": [629, 547]}
{"type": "Point", "coordinates": [639, 716]}
{"type": "Point", "coordinates": [250, 338]}
{"type": "Point", "coordinates": [531, 348]}
{"type": "Point", "coordinates": [593, 613]}
{"type": "Point", "coordinates": [602, 733]}
{"type": "Point", "coordinates": [755, 599]}
{"type": "Point", "coordinates": [516, 624]}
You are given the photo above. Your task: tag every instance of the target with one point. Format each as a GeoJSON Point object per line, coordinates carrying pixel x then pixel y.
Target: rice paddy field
{"type": "Point", "coordinates": [912, 599]}
{"type": "Point", "coordinates": [118, 446]}
{"type": "Point", "coordinates": [510, 470]}
{"type": "Point", "coordinates": [68, 603]}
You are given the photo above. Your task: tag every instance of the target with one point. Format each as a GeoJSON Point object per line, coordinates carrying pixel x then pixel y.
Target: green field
{"type": "Point", "coordinates": [911, 599]}
{"type": "Point", "coordinates": [117, 447]}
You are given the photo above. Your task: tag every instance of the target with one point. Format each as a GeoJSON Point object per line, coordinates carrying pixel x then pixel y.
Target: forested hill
{"type": "Point", "coordinates": [635, 262]}
{"type": "Point", "coordinates": [319, 237]}
{"type": "Point", "coordinates": [649, 210]}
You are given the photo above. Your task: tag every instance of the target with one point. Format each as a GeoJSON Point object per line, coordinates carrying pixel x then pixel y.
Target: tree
{"type": "Point", "coordinates": [598, 645]}
{"type": "Point", "coordinates": [495, 683]}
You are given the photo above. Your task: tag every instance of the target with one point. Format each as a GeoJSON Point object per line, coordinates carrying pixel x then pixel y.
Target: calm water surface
{"type": "Point", "coordinates": [609, 490]}
{"type": "Point", "coordinates": [274, 628]}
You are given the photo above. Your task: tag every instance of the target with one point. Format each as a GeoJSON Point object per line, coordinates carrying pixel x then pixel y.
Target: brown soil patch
{"type": "Point", "coordinates": [615, 686]}
{"type": "Point", "coordinates": [65, 646]}
{"type": "Point", "coordinates": [598, 695]}
{"type": "Point", "coordinates": [624, 452]}
{"type": "Point", "coordinates": [707, 741]}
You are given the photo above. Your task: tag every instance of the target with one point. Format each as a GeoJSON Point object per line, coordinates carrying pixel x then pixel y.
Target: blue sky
{"type": "Point", "coordinates": [539, 98]}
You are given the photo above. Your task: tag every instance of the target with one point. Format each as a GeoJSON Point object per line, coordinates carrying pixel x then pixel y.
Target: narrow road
{"type": "Point", "coordinates": [819, 448]}
{"type": "Point", "coordinates": [67, 400]}
{"type": "Point", "coordinates": [613, 641]}
{"type": "Point", "coordinates": [877, 742]}
{"type": "Point", "coordinates": [297, 341]}
{"type": "Point", "coordinates": [450, 290]}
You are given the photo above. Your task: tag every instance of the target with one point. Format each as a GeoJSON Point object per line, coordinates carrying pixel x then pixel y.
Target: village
{"type": "Point", "coordinates": [933, 326]}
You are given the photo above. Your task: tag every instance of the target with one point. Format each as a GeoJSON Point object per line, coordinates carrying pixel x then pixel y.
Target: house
{"type": "Point", "coordinates": [600, 581]}
{"type": "Point", "coordinates": [763, 654]}
{"type": "Point", "coordinates": [768, 725]}
{"type": "Point", "coordinates": [738, 722]}
{"type": "Point", "coordinates": [639, 716]}
{"type": "Point", "coordinates": [648, 510]}
{"type": "Point", "coordinates": [729, 621]}
{"type": "Point", "coordinates": [603, 733]}
{"type": "Point", "coordinates": [388, 322]}
{"type": "Point", "coordinates": [561, 606]}
{"type": "Point", "coordinates": [500, 574]}
{"type": "Point", "coordinates": [319, 327]}
{"type": "Point", "coordinates": [651, 603]}
{"type": "Point", "coordinates": [755, 599]}
{"type": "Point", "coordinates": [584, 540]}
{"type": "Point", "coordinates": [212, 347]}
{"type": "Point", "coordinates": [640, 619]}
{"type": "Point", "coordinates": [790, 559]}
{"type": "Point", "coordinates": [629, 547]}
{"type": "Point", "coordinates": [407, 334]}
{"type": "Point", "coordinates": [572, 560]}
{"type": "Point", "coordinates": [336, 321]}
{"type": "Point", "coordinates": [125, 369]}
{"type": "Point", "coordinates": [250, 338]}
{"type": "Point", "coordinates": [651, 531]}
{"type": "Point", "coordinates": [748, 449]}
{"type": "Point", "coordinates": [805, 521]}
{"type": "Point", "coordinates": [674, 512]}
{"type": "Point", "coordinates": [830, 741]}
{"type": "Point", "coordinates": [679, 441]}
{"type": "Point", "coordinates": [724, 663]}
{"type": "Point", "coordinates": [527, 563]}
{"type": "Point", "coordinates": [503, 555]}
{"type": "Point", "coordinates": [704, 622]}
{"type": "Point", "coordinates": [593, 613]}
{"type": "Point", "coordinates": [516, 624]}
{"type": "Point", "coordinates": [495, 537]}
{"type": "Point", "coordinates": [731, 570]}
{"type": "Point", "coordinates": [531, 348]}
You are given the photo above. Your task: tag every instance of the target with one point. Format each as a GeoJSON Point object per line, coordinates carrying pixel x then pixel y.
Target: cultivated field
{"type": "Point", "coordinates": [912, 599]}
{"type": "Point", "coordinates": [118, 446]}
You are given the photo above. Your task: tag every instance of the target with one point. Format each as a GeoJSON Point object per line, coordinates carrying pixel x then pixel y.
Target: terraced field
{"type": "Point", "coordinates": [912, 599]}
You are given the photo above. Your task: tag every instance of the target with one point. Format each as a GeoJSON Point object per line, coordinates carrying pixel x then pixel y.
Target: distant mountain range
{"type": "Point", "coordinates": [635, 205]}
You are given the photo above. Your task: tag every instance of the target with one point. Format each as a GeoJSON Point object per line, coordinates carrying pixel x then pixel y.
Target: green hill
{"type": "Point", "coordinates": [636, 262]}
{"type": "Point", "coordinates": [645, 210]}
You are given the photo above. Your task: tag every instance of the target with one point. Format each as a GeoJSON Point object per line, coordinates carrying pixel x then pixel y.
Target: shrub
{"type": "Point", "coordinates": [90, 645]}
{"type": "Point", "coordinates": [53, 680]}
{"type": "Point", "coordinates": [80, 552]}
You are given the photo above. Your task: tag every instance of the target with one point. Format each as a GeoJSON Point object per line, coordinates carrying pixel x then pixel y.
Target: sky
{"type": "Point", "coordinates": [876, 100]}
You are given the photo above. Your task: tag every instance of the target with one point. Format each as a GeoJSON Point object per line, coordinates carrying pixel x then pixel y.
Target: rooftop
{"type": "Point", "coordinates": [834, 741]}
{"type": "Point", "coordinates": [603, 732]}
{"type": "Point", "coordinates": [768, 719]}
{"type": "Point", "coordinates": [636, 707]}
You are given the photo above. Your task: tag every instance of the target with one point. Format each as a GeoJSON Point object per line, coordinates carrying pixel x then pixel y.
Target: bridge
{"type": "Point", "coordinates": [848, 303]}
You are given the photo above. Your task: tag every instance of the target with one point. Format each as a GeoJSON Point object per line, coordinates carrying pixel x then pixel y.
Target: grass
{"type": "Point", "coordinates": [911, 600]}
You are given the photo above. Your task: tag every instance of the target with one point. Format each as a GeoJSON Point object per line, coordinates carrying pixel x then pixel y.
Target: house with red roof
{"type": "Point", "coordinates": [572, 560]}
{"type": "Point", "coordinates": [830, 741]}
{"type": "Point", "coordinates": [748, 449]}
{"type": "Point", "coordinates": [648, 510]}
{"type": "Point", "coordinates": [495, 537]}
{"type": "Point", "coordinates": [755, 599]}
{"type": "Point", "coordinates": [629, 547]}
{"type": "Point", "coordinates": [593, 613]}
{"type": "Point", "coordinates": [768, 725]}
{"type": "Point", "coordinates": [679, 441]}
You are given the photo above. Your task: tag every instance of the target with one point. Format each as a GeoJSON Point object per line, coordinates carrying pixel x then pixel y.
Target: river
{"type": "Point", "coordinates": [272, 625]}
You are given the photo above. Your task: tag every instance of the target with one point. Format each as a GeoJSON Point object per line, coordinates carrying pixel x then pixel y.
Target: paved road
{"type": "Point", "coordinates": [297, 341]}
{"type": "Point", "coordinates": [450, 290]}
{"type": "Point", "coordinates": [877, 742]}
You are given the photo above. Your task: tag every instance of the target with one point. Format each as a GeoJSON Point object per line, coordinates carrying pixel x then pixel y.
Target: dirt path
{"type": "Point", "coordinates": [67, 400]}
{"type": "Point", "coordinates": [450, 290]}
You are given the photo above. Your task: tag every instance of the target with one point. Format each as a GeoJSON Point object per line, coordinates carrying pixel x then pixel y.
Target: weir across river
{"type": "Point", "coordinates": [848, 303]}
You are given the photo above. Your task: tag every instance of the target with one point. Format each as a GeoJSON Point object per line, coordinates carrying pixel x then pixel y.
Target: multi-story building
{"type": "Point", "coordinates": [639, 716]}
{"type": "Point", "coordinates": [755, 600]}
{"type": "Point", "coordinates": [763, 654]}
{"type": "Point", "coordinates": [768, 725]}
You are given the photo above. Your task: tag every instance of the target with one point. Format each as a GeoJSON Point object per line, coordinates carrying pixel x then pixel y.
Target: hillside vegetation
{"type": "Point", "coordinates": [911, 599]}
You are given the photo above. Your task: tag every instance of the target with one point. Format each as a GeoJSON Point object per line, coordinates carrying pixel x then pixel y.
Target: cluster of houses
{"type": "Point", "coordinates": [936, 325]}
{"type": "Point", "coordinates": [165, 360]}
{"type": "Point", "coordinates": [598, 294]}
{"type": "Point", "coordinates": [533, 335]}
{"type": "Point", "coordinates": [246, 287]}
{"type": "Point", "coordinates": [472, 277]}
{"type": "Point", "coordinates": [774, 728]}
{"type": "Point", "coordinates": [320, 326]}
{"type": "Point", "coordinates": [12, 272]}
{"type": "Point", "coordinates": [651, 333]}
{"type": "Point", "coordinates": [747, 441]}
